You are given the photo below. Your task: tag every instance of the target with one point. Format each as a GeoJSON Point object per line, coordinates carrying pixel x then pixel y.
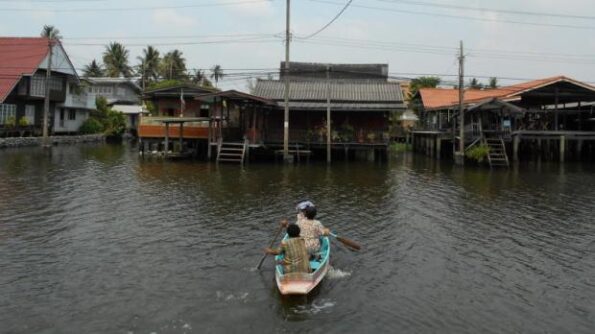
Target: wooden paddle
{"type": "Point", "coordinates": [347, 242]}
{"type": "Point", "coordinates": [272, 244]}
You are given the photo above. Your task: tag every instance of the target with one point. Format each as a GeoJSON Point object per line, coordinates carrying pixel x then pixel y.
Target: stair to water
{"type": "Point", "coordinates": [497, 156]}
{"type": "Point", "coordinates": [231, 152]}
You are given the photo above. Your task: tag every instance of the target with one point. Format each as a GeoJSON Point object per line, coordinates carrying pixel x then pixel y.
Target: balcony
{"type": "Point", "coordinates": [82, 101]}
{"type": "Point", "coordinates": [153, 127]}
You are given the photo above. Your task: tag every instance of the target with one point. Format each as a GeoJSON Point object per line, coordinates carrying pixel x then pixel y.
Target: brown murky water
{"type": "Point", "coordinates": [95, 240]}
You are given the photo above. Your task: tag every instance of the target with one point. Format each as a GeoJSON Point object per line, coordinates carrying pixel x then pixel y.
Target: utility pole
{"type": "Point", "coordinates": [46, 102]}
{"type": "Point", "coordinates": [460, 155]}
{"type": "Point", "coordinates": [328, 114]}
{"type": "Point", "coordinates": [286, 77]}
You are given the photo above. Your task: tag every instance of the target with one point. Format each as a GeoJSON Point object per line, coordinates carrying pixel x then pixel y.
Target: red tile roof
{"type": "Point", "coordinates": [19, 56]}
{"type": "Point", "coordinates": [438, 98]}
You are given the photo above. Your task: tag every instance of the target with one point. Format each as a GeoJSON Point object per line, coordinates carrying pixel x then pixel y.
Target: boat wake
{"type": "Point", "coordinates": [334, 273]}
{"type": "Point", "coordinates": [314, 308]}
{"type": "Point", "coordinates": [242, 297]}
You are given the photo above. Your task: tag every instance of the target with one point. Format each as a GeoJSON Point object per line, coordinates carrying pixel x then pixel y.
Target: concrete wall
{"type": "Point", "coordinates": [55, 140]}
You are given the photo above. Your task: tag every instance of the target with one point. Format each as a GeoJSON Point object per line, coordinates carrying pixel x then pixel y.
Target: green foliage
{"type": "Point", "coordinates": [478, 153]}
{"type": "Point", "coordinates": [115, 58]}
{"type": "Point", "coordinates": [104, 119]}
{"type": "Point", "coordinates": [93, 70]}
{"type": "Point", "coordinates": [399, 147]}
{"type": "Point", "coordinates": [493, 82]}
{"type": "Point", "coordinates": [51, 32]}
{"type": "Point", "coordinates": [166, 84]}
{"type": "Point", "coordinates": [217, 73]}
{"type": "Point", "coordinates": [23, 121]}
{"type": "Point", "coordinates": [10, 122]}
{"type": "Point", "coordinates": [91, 126]}
{"type": "Point", "coordinates": [173, 66]}
{"type": "Point", "coordinates": [148, 67]}
{"type": "Point", "coordinates": [116, 124]}
{"type": "Point", "coordinates": [422, 82]}
{"type": "Point", "coordinates": [475, 84]}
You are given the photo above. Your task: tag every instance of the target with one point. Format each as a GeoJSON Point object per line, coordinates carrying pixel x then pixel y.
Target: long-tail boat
{"type": "Point", "coordinates": [303, 283]}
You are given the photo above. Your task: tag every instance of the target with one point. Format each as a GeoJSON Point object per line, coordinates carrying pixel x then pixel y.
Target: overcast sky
{"type": "Point", "coordinates": [511, 39]}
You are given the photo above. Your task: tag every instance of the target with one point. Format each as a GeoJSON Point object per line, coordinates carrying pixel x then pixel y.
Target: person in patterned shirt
{"type": "Point", "coordinates": [311, 229]}
{"type": "Point", "coordinates": [295, 255]}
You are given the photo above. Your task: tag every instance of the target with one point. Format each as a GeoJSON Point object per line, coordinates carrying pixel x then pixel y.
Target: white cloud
{"type": "Point", "coordinates": [170, 18]}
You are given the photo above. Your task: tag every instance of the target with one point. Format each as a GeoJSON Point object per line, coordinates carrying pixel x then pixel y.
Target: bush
{"type": "Point", "coordinates": [10, 122]}
{"type": "Point", "coordinates": [478, 153]}
{"type": "Point", "coordinates": [91, 126]}
{"type": "Point", "coordinates": [23, 122]}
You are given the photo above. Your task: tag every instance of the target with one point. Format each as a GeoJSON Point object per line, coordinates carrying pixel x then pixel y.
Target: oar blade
{"type": "Point", "coordinates": [349, 243]}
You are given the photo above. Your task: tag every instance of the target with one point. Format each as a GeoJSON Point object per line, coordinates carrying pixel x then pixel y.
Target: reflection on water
{"type": "Point", "coordinates": [95, 240]}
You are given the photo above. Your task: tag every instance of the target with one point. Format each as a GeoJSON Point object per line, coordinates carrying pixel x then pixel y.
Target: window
{"type": "Point", "coordinates": [30, 114]}
{"type": "Point", "coordinates": [71, 115]}
{"type": "Point", "coordinates": [38, 85]}
{"type": "Point", "coordinates": [7, 111]}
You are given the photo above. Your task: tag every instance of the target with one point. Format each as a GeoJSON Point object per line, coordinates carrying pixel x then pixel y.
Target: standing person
{"type": "Point", "coordinates": [311, 229]}
{"type": "Point", "coordinates": [296, 258]}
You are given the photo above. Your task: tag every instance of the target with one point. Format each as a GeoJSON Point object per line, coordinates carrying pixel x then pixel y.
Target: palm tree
{"type": "Point", "coordinates": [115, 58]}
{"type": "Point", "coordinates": [173, 66]}
{"type": "Point", "coordinates": [148, 68]}
{"type": "Point", "coordinates": [217, 73]}
{"type": "Point", "coordinates": [93, 70]}
{"type": "Point", "coordinates": [51, 32]}
{"type": "Point", "coordinates": [493, 82]}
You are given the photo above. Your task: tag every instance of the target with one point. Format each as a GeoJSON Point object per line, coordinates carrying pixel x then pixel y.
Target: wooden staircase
{"type": "Point", "coordinates": [497, 156]}
{"type": "Point", "coordinates": [232, 152]}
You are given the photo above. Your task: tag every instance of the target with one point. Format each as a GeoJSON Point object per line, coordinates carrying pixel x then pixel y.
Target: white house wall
{"type": "Point", "coordinates": [68, 125]}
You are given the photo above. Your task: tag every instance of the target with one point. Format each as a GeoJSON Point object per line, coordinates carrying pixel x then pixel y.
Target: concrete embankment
{"type": "Point", "coordinates": [54, 140]}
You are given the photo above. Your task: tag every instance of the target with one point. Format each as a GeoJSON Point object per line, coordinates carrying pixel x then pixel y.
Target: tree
{"type": "Point", "coordinates": [148, 69]}
{"type": "Point", "coordinates": [115, 58]}
{"type": "Point", "coordinates": [93, 70]}
{"type": "Point", "coordinates": [422, 82]}
{"type": "Point", "coordinates": [51, 32]}
{"type": "Point", "coordinates": [173, 66]}
{"type": "Point", "coordinates": [493, 82]}
{"type": "Point", "coordinates": [475, 84]}
{"type": "Point", "coordinates": [217, 73]}
{"type": "Point", "coordinates": [200, 78]}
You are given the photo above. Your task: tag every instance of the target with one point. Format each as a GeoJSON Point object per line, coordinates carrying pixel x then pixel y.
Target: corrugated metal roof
{"type": "Point", "coordinates": [341, 90]}
{"type": "Point", "coordinates": [338, 106]}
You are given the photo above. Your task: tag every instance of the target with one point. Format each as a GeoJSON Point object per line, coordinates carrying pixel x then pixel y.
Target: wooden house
{"type": "Point", "coordinates": [553, 111]}
{"type": "Point", "coordinates": [23, 68]}
{"type": "Point", "coordinates": [359, 97]}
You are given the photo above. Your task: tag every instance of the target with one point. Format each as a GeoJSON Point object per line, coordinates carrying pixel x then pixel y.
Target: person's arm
{"type": "Point", "coordinates": [272, 251]}
{"type": "Point", "coordinates": [323, 230]}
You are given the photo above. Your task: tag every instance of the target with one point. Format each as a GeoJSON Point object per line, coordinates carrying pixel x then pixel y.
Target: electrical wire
{"type": "Point", "coordinates": [330, 22]}
{"type": "Point", "coordinates": [470, 18]}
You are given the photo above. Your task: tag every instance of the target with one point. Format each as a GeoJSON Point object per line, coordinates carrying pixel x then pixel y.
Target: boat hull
{"type": "Point", "coordinates": [304, 283]}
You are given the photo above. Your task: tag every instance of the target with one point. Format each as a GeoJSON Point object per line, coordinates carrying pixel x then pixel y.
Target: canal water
{"type": "Point", "coordinates": [95, 240]}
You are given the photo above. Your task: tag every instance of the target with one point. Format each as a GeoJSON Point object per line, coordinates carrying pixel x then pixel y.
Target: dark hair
{"type": "Point", "coordinates": [293, 231]}
{"type": "Point", "coordinates": [310, 212]}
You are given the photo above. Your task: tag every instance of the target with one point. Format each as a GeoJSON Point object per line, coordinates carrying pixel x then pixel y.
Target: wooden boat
{"type": "Point", "coordinates": [303, 283]}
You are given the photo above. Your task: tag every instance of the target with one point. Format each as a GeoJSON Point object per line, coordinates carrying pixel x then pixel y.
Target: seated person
{"type": "Point", "coordinates": [296, 258]}
{"type": "Point", "coordinates": [311, 230]}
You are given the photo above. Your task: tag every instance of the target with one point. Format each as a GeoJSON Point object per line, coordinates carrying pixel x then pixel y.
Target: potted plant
{"type": "Point", "coordinates": [371, 137]}
{"type": "Point", "coordinates": [23, 123]}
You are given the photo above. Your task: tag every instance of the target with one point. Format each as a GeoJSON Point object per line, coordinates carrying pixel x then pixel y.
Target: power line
{"type": "Point", "coordinates": [104, 9]}
{"type": "Point", "coordinates": [330, 22]}
{"type": "Point", "coordinates": [471, 18]}
{"type": "Point", "coordinates": [490, 10]}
